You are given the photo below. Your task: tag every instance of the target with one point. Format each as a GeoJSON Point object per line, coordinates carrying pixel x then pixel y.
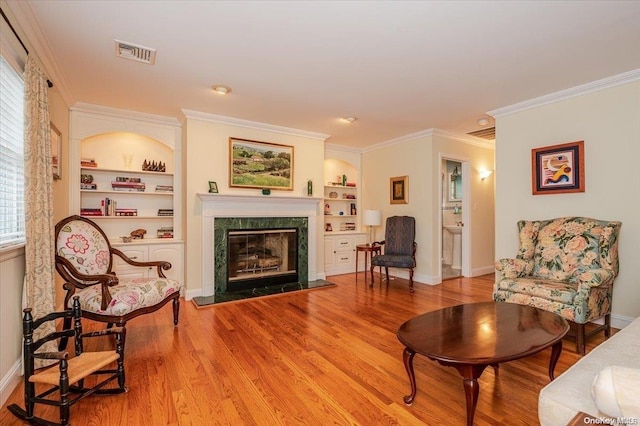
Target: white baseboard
{"type": "Point", "coordinates": [190, 294]}
{"type": "Point", "coordinates": [483, 271]}
{"type": "Point", "coordinates": [10, 381]}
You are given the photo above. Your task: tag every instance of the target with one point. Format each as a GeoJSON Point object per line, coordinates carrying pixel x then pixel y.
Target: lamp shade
{"type": "Point", "coordinates": [372, 217]}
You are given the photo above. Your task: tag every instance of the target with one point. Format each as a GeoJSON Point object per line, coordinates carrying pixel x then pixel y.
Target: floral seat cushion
{"type": "Point", "coordinates": [546, 289]}
{"type": "Point", "coordinates": [128, 295]}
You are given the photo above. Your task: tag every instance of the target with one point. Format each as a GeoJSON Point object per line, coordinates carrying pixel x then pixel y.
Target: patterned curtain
{"type": "Point", "coordinates": [39, 291]}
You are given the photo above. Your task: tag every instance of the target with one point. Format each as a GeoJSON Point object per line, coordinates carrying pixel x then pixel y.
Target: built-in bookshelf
{"type": "Point", "coordinates": [124, 173]}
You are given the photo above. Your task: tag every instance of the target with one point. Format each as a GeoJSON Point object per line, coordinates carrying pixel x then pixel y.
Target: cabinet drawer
{"type": "Point", "coordinates": [344, 244]}
{"type": "Point", "coordinates": [139, 254]}
{"type": "Point", "coordinates": [344, 258]}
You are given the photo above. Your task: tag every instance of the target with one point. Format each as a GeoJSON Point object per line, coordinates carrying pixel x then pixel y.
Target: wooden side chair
{"type": "Point", "coordinates": [84, 259]}
{"type": "Point", "coordinates": [399, 247]}
{"type": "Point", "coordinates": [66, 378]}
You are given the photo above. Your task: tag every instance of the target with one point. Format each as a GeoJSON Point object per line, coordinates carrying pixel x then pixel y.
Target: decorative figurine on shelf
{"type": "Point", "coordinates": [327, 209]}
{"type": "Point", "coordinates": [152, 166]}
{"type": "Point", "coordinates": [84, 178]}
{"type": "Point", "coordinates": [138, 234]}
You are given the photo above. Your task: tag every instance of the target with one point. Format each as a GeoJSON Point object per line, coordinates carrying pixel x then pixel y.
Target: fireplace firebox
{"type": "Point", "coordinates": [261, 257]}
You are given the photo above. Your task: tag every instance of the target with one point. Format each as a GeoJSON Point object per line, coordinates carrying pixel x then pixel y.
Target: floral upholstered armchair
{"type": "Point", "coordinates": [567, 266]}
{"type": "Point", "coordinates": [84, 259]}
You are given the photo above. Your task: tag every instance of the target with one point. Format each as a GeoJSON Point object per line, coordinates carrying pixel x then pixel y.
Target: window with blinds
{"type": "Point", "coordinates": [12, 230]}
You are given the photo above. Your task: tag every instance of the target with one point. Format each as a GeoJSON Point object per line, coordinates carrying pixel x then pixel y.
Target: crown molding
{"type": "Point", "coordinates": [399, 140]}
{"type": "Point", "coordinates": [123, 113]}
{"type": "Point", "coordinates": [238, 122]}
{"type": "Point", "coordinates": [470, 140]}
{"type": "Point", "coordinates": [38, 44]}
{"type": "Point", "coordinates": [572, 92]}
{"type": "Point", "coordinates": [343, 148]}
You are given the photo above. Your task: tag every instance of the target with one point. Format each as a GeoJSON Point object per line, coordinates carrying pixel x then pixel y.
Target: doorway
{"type": "Point", "coordinates": [453, 201]}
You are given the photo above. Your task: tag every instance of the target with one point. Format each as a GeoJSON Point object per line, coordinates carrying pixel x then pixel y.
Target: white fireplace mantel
{"type": "Point", "coordinates": [219, 205]}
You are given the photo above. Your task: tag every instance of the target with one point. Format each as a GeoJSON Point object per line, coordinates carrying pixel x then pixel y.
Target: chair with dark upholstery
{"type": "Point", "coordinates": [84, 259]}
{"type": "Point", "coordinates": [63, 385]}
{"type": "Point", "coordinates": [399, 247]}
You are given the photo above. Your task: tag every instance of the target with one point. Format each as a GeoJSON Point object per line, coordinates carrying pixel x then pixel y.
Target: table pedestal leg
{"type": "Point", "coordinates": [470, 375]}
{"type": "Point", "coordinates": [555, 354]}
{"type": "Point", "coordinates": [407, 357]}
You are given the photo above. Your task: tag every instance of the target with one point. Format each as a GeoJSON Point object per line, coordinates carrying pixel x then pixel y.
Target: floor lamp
{"type": "Point", "coordinates": [372, 218]}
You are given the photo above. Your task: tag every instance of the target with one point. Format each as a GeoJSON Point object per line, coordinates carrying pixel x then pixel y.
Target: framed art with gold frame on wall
{"type": "Point", "coordinates": [265, 165]}
{"type": "Point", "coordinates": [399, 190]}
{"type": "Point", "coordinates": [56, 151]}
{"type": "Point", "coordinates": [558, 169]}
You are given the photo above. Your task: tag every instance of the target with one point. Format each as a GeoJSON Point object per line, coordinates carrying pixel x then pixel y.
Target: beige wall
{"type": "Point", "coordinates": [419, 158]}
{"type": "Point", "coordinates": [206, 152]}
{"type": "Point", "coordinates": [609, 123]}
{"type": "Point", "coordinates": [59, 116]}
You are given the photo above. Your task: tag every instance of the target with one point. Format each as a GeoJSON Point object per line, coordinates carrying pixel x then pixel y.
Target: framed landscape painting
{"type": "Point", "coordinates": [254, 164]}
{"type": "Point", "coordinates": [558, 169]}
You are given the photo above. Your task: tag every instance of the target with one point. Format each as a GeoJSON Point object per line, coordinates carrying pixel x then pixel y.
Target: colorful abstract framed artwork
{"type": "Point", "coordinates": [558, 169]}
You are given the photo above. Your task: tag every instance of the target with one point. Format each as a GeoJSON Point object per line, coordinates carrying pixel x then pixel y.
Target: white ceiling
{"type": "Point", "coordinates": [400, 67]}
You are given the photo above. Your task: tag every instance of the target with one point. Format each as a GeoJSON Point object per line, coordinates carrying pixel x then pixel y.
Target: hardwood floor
{"type": "Point", "coordinates": [326, 356]}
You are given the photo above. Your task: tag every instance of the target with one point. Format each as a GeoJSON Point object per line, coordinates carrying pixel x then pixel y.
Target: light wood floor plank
{"type": "Point", "coordinates": [328, 356]}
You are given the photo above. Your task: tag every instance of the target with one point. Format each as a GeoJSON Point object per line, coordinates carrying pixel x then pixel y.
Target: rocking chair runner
{"type": "Point", "coordinates": [84, 258]}
{"type": "Point", "coordinates": [68, 371]}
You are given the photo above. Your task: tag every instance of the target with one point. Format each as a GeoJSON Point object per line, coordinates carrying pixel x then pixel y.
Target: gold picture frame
{"type": "Point", "coordinates": [558, 169]}
{"type": "Point", "coordinates": [399, 190]}
{"type": "Point", "coordinates": [56, 151]}
{"type": "Point", "coordinates": [254, 164]}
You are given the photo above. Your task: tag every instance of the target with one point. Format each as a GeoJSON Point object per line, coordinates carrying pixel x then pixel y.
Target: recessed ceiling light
{"type": "Point", "coordinates": [483, 121]}
{"type": "Point", "coordinates": [349, 119]}
{"type": "Point", "coordinates": [222, 90]}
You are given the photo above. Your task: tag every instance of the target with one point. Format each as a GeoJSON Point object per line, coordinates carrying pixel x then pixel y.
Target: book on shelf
{"type": "Point", "coordinates": [164, 188]}
{"type": "Point", "coordinates": [165, 232]}
{"type": "Point", "coordinates": [88, 162]}
{"type": "Point", "coordinates": [128, 189]}
{"type": "Point", "coordinates": [127, 186]}
{"type": "Point", "coordinates": [165, 212]}
{"type": "Point", "coordinates": [348, 226]}
{"type": "Point", "coordinates": [89, 186]}
{"type": "Point", "coordinates": [91, 212]}
{"type": "Point", "coordinates": [126, 212]}
{"type": "Point", "coordinates": [128, 179]}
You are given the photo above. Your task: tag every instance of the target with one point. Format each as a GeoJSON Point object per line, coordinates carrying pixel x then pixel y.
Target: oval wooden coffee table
{"type": "Point", "coordinates": [473, 336]}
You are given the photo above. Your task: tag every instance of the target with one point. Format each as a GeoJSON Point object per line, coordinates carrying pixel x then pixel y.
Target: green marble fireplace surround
{"type": "Point", "coordinates": [224, 224]}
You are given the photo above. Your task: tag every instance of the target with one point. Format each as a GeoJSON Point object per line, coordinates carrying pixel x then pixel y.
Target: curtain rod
{"type": "Point", "coordinates": [49, 83]}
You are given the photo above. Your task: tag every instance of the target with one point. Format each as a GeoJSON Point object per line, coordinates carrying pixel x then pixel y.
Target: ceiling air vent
{"type": "Point", "coordinates": [489, 133]}
{"type": "Point", "coordinates": [135, 52]}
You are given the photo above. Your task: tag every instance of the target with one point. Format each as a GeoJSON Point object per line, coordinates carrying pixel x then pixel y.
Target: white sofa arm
{"type": "Point", "coordinates": [615, 391]}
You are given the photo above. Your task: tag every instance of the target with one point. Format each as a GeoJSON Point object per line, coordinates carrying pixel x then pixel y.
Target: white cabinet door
{"type": "Point", "coordinates": [124, 270]}
{"type": "Point", "coordinates": [329, 254]}
{"type": "Point", "coordinates": [171, 253]}
{"type": "Point", "coordinates": [340, 253]}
